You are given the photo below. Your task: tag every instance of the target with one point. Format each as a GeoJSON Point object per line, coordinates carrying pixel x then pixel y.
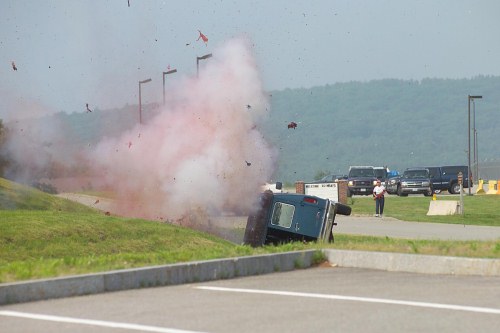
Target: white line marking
{"type": "Point", "coordinates": [101, 323]}
{"type": "Point", "coordinates": [358, 299]}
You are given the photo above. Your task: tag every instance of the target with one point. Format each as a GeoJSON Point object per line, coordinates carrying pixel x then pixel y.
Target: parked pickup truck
{"type": "Point", "coordinates": [361, 180]}
{"type": "Point", "coordinates": [412, 181]}
{"type": "Point", "coordinates": [287, 217]}
{"type": "Point", "coordinates": [445, 178]}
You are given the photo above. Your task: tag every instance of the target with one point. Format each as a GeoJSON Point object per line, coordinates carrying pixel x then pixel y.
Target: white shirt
{"type": "Point", "coordinates": [378, 189]}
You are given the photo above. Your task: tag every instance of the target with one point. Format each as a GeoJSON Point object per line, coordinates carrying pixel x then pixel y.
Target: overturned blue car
{"type": "Point", "coordinates": [289, 217]}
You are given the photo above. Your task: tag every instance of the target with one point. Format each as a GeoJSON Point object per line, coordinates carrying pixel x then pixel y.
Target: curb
{"type": "Point", "coordinates": [197, 271]}
{"type": "Point", "coordinates": [413, 263]}
{"type": "Point", "coordinates": [217, 269]}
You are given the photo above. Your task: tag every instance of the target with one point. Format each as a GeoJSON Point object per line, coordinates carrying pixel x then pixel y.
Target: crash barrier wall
{"type": "Point", "coordinates": [480, 187]}
{"type": "Point", "coordinates": [492, 187]}
{"type": "Point", "coordinates": [300, 187]}
{"type": "Point", "coordinates": [155, 276]}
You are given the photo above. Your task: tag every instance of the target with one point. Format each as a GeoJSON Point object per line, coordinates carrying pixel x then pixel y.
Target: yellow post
{"type": "Point", "coordinates": [480, 187]}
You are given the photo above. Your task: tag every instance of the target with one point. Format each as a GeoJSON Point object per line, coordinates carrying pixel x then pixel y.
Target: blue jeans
{"type": "Point", "coordinates": [379, 206]}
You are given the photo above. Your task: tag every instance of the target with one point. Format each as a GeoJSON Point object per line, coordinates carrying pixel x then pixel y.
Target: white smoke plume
{"type": "Point", "coordinates": [203, 150]}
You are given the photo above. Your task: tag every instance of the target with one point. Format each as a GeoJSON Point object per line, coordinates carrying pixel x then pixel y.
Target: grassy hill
{"type": "Point", "coordinates": [42, 235]}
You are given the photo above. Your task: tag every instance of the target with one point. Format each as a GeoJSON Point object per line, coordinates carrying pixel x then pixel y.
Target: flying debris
{"type": "Point", "coordinates": [248, 163]}
{"type": "Point", "coordinates": [88, 110]}
{"type": "Point", "coordinates": [96, 202]}
{"type": "Point", "coordinates": [14, 66]}
{"type": "Point", "coordinates": [203, 37]}
{"type": "Point", "coordinates": [187, 44]}
{"type": "Point", "coordinates": [249, 106]}
{"type": "Point", "coordinates": [130, 144]}
{"type": "Point", "coordinates": [292, 125]}
{"type": "Point", "coordinates": [128, 1]}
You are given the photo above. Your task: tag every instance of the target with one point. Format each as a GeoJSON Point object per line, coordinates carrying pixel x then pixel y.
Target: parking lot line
{"type": "Point", "coordinates": [357, 299]}
{"type": "Point", "coordinates": [135, 327]}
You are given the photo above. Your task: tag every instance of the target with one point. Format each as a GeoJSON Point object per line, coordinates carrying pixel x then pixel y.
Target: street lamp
{"type": "Point", "coordinates": [140, 102]}
{"type": "Point", "coordinates": [206, 56]}
{"type": "Point", "coordinates": [166, 73]}
{"type": "Point", "coordinates": [468, 133]}
{"type": "Point", "coordinates": [474, 140]}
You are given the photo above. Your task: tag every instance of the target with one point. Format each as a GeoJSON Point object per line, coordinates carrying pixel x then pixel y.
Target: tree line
{"type": "Point", "coordinates": [390, 122]}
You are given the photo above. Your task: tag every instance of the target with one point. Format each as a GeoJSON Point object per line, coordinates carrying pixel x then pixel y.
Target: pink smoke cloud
{"type": "Point", "coordinates": [194, 153]}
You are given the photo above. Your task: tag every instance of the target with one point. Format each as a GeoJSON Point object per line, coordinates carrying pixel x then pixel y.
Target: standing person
{"type": "Point", "coordinates": [378, 195]}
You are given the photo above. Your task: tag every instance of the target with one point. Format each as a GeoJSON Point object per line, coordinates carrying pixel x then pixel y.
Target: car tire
{"type": "Point", "coordinates": [342, 209]}
{"type": "Point", "coordinates": [428, 193]}
{"type": "Point", "coordinates": [256, 228]}
{"type": "Point", "coordinates": [437, 191]}
{"type": "Point", "coordinates": [454, 188]}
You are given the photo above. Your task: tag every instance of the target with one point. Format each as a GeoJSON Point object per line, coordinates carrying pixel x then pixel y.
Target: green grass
{"type": "Point", "coordinates": [35, 244]}
{"type": "Point", "coordinates": [472, 249]}
{"type": "Point", "coordinates": [478, 209]}
{"type": "Point", "coordinates": [45, 236]}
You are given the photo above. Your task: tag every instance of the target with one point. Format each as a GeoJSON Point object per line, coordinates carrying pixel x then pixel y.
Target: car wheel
{"type": "Point", "coordinates": [428, 193]}
{"type": "Point", "coordinates": [256, 229]}
{"type": "Point", "coordinates": [454, 188]}
{"type": "Point", "coordinates": [342, 209]}
{"type": "Point", "coordinates": [437, 191]}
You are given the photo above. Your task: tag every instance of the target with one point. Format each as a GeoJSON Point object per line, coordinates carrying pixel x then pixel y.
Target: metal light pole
{"type": "Point", "coordinates": [476, 152]}
{"type": "Point", "coordinates": [206, 56]}
{"type": "Point", "coordinates": [166, 73]}
{"type": "Point", "coordinates": [140, 101]}
{"type": "Point", "coordinates": [468, 135]}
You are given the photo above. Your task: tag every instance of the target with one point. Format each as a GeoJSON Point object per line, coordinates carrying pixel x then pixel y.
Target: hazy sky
{"type": "Point", "coordinates": [69, 53]}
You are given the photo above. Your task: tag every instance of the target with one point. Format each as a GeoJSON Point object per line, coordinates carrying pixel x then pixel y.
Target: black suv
{"type": "Point", "coordinates": [361, 180]}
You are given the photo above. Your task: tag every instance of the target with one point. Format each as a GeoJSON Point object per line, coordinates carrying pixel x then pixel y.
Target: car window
{"type": "Point", "coordinates": [416, 174]}
{"type": "Point", "coordinates": [362, 173]}
{"type": "Point", "coordinates": [282, 215]}
{"type": "Point", "coordinates": [453, 170]}
{"type": "Point", "coordinates": [433, 172]}
{"type": "Point", "coordinates": [380, 173]}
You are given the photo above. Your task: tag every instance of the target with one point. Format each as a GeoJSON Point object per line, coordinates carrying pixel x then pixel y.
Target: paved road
{"type": "Point", "coordinates": [323, 299]}
{"type": "Point", "coordinates": [391, 227]}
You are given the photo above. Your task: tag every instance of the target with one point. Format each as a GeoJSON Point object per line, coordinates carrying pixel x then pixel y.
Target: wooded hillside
{"type": "Point", "coordinates": [394, 123]}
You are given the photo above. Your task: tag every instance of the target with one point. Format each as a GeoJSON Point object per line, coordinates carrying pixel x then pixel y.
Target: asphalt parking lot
{"type": "Point", "coordinates": [322, 299]}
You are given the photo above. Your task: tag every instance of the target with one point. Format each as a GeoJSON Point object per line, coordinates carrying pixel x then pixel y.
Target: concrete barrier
{"type": "Point", "coordinates": [444, 207]}
{"type": "Point", "coordinates": [480, 187]}
{"type": "Point", "coordinates": [492, 187]}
